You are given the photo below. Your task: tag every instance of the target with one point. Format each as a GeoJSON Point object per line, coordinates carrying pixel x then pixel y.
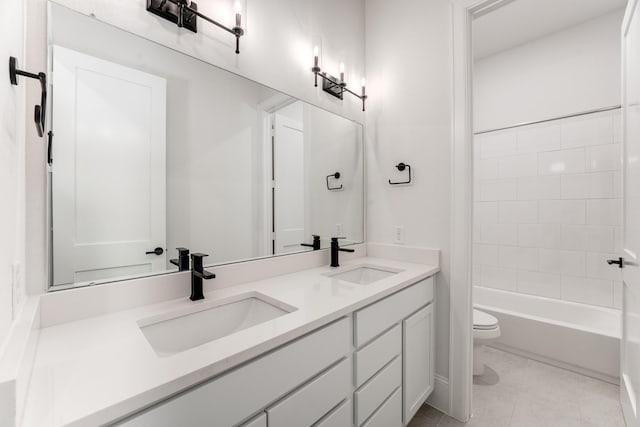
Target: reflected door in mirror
{"type": "Point", "coordinates": [108, 173]}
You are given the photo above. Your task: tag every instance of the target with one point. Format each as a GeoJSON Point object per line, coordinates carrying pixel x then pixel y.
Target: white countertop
{"type": "Point", "coordinates": [93, 371]}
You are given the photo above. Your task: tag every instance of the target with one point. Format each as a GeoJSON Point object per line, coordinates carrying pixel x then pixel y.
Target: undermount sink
{"type": "Point", "coordinates": [180, 330]}
{"type": "Point", "coordinates": [365, 274]}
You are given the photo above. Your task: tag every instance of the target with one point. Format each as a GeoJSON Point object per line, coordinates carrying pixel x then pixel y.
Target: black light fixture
{"type": "Point", "coordinates": [332, 85]}
{"type": "Point", "coordinates": [185, 14]}
{"type": "Point", "coordinates": [39, 112]}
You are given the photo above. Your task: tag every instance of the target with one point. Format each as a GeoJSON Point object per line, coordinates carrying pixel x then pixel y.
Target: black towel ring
{"type": "Point", "coordinates": [335, 176]}
{"type": "Point", "coordinates": [401, 167]}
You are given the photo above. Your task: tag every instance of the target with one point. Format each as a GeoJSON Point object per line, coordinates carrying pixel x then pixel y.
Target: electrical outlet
{"type": "Point", "coordinates": [339, 230]}
{"type": "Point", "coordinates": [398, 234]}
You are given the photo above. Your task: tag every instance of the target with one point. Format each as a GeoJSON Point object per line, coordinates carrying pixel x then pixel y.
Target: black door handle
{"type": "Point", "coordinates": [158, 251]}
{"type": "Point", "coordinates": [619, 261]}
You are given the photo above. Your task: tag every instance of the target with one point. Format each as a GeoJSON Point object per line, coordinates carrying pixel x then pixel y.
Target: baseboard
{"type": "Point", "coordinates": [556, 363]}
{"type": "Point", "coordinates": [439, 399]}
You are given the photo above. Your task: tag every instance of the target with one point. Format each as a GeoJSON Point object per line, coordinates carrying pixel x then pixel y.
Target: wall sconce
{"type": "Point", "coordinates": [39, 112]}
{"type": "Point", "coordinates": [185, 13]}
{"type": "Point", "coordinates": [332, 85]}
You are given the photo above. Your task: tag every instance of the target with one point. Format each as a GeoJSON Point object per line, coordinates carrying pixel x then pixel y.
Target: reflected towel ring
{"type": "Point", "coordinates": [335, 176]}
{"type": "Point", "coordinates": [401, 167]}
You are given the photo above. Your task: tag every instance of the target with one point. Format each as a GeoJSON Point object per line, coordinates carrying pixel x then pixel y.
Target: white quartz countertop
{"type": "Point", "coordinates": [98, 370]}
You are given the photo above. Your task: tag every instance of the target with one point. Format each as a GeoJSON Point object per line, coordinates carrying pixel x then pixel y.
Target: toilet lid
{"type": "Point", "coordinates": [482, 320]}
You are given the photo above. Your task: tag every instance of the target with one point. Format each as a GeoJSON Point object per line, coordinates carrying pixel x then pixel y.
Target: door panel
{"type": "Point", "coordinates": [108, 188]}
{"type": "Point", "coordinates": [630, 351]}
{"type": "Point", "coordinates": [289, 183]}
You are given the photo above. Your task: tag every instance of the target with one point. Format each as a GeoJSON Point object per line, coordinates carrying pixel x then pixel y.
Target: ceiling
{"type": "Point", "coordinates": [521, 21]}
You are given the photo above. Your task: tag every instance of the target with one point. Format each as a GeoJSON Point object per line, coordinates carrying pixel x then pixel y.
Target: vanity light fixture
{"type": "Point", "coordinates": [185, 13]}
{"type": "Point", "coordinates": [39, 112]}
{"type": "Point", "coordinates": [332, 85]}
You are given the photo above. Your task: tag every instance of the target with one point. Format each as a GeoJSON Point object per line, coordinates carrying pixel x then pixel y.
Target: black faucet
{"type": "Point", "coordinates": [197, 274]}
{"type": "Point", "coordinates": [315, 245]}
{"type": "Point", "coordinates": [335, 248]}
{"type": "Point", "coordinates": [183, 259]}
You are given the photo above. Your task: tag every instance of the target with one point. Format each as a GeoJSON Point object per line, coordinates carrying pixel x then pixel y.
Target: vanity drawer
{"type": "Point", "coordinates": [313, 401]}
{"type": "Point", "coordinates": [260, 421]}
{"type": "Point", "coordinates": [371, 358]}
{"type": "Point", "coordinates": [340, 417]}
{"type": "Point", "coordinates": [371, 395]}
{"type": "Point", "coordinates": [376, 318]}
{"type": "Point", "coordinates": [232, 397]}
{"type": "Point", "coordinates": [389, 414]}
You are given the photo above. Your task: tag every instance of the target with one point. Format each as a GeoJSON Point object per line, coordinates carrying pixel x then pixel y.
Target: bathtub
{"type": "Point", "coordinates": [578, 337]}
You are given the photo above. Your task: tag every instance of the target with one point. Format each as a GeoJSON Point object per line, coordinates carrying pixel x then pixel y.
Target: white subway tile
{"type": "Point", "coordinates": [485, 212]}
{"type": "Point", "coordinates": [540, 236]}
{"type": "Point", "coordinates": [500, 278]}
{"type": "Point", "coordinates": [617, 185]}
{"type": "Point", "coordinates": [587, 131]}
{"type": "Point", "coordinates": [499, 234]}
{"type": "Point", "coordinates": [518, 212]}
{"type": "Point", "coordinates": [539, 187]}
{"type": "Point", "coordinates": [517, 166]}
{"type": "Point", "coordinates": [536, 139]}
{"type": "Point", "coordinates": [503, 189]}
{"type": "Point", "coordinates": [604, 158]}
{"type": "Point", "coordinates": [562, 262]}
{"type": "Point", "coordinates": [542, 284]}
{"type": "Point", "coordinates": [561, 211]}
{"type": "Point", "coordinates": [604, 212]}
{"type": "Point", "coordinates": [617, 295]}
{"type": "Point", "coordinates": [497, 144]}
{"type": "Point", "coordinates": [518, 258]}
{"type": "Point", "coordinates": [587, 291]}
{"type": "Point", "coordinates": [597, 267]}
{"type": "Point", "coordinates": [485, 255]}
{"type": "Point", "coordinates": [558, 162]}
{"type": "Point", "coordinates": [587, 186]}
{"type": "Point", "coordinates": [617, 240]}
{"type": "Point", "coordinates": [600, 238]}
{"type": "Point", "coordinates": [574, 237]}
{"type": "Point", "coordinates": [617, 127]}
{"type": "Point", "coordinates": [486, 169]}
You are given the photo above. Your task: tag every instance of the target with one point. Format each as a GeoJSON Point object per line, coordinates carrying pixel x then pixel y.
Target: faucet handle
{"type": "Point", "coordinates": [335, 239]}
{"type": "Point", "coordinates": [182, 262]}
{"type": "Point", "coordinates": [198, 255]}
{"type": "Point", "coordinates": [182, 251]}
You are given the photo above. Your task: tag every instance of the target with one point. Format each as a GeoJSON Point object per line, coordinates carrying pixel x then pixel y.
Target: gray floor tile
{"type": "Point", "coordinates": [518, 392]}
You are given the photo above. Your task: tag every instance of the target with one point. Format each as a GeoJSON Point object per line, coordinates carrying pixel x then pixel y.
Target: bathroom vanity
{"type": "Point", "coordinates": [351, 346]}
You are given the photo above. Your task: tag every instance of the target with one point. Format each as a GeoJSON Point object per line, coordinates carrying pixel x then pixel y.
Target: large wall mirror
{"type": "Point", "coordinates": [154, 150]}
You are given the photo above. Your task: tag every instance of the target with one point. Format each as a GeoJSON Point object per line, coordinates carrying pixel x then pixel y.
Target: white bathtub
{"type": "Point", "coordinates": [579, 337]}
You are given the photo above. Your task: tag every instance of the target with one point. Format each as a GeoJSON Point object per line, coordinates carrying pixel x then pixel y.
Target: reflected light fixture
{"type": "Point", "coordinates": [332, 85]}
{"type": "Point", "coordinates": [185, 13]}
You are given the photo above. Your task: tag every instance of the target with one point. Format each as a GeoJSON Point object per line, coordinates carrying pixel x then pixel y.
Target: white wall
{"type": "Point", "coordinates": [334, 145]}
{"type": "Point", "coordinates": [574, 70]}
{"type": "Point", "coordinates": [276, 51]}
{"type": "Point", "coordinates": [409, 120]}
{"type": "Point", "coordinates": [12, 152]}
{"type": "Point", "coordinates": [548, 209]}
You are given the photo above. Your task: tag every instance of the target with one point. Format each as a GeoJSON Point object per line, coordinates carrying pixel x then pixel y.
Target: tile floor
{"type": "Point", "coordinates": [518, 392]}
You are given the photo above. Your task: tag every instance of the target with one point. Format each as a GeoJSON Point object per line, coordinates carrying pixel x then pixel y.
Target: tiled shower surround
{"type": "Point", "coordinates": [548, 209]}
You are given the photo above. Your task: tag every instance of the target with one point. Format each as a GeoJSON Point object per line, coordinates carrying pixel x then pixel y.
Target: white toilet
{"type": "Point", "coordinates": [485, 327]}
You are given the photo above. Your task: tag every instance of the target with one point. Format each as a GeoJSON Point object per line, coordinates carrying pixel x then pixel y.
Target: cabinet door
{"type": "Point", "coordinates": [418, 360]}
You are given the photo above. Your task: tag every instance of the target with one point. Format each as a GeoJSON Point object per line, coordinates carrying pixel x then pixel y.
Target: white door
{"type": "Point", "coordinates": [630, 350]}
{"type": "Point", "coordinates": [288, 179]}
{"type": "Point", "coordinates": [108, 170]}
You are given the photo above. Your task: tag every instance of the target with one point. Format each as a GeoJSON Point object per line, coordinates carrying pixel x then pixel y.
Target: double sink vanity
{"type": "Point", "coordinates": [347, 346]}
{"type": "Point", "coordinates": [276, 331]}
